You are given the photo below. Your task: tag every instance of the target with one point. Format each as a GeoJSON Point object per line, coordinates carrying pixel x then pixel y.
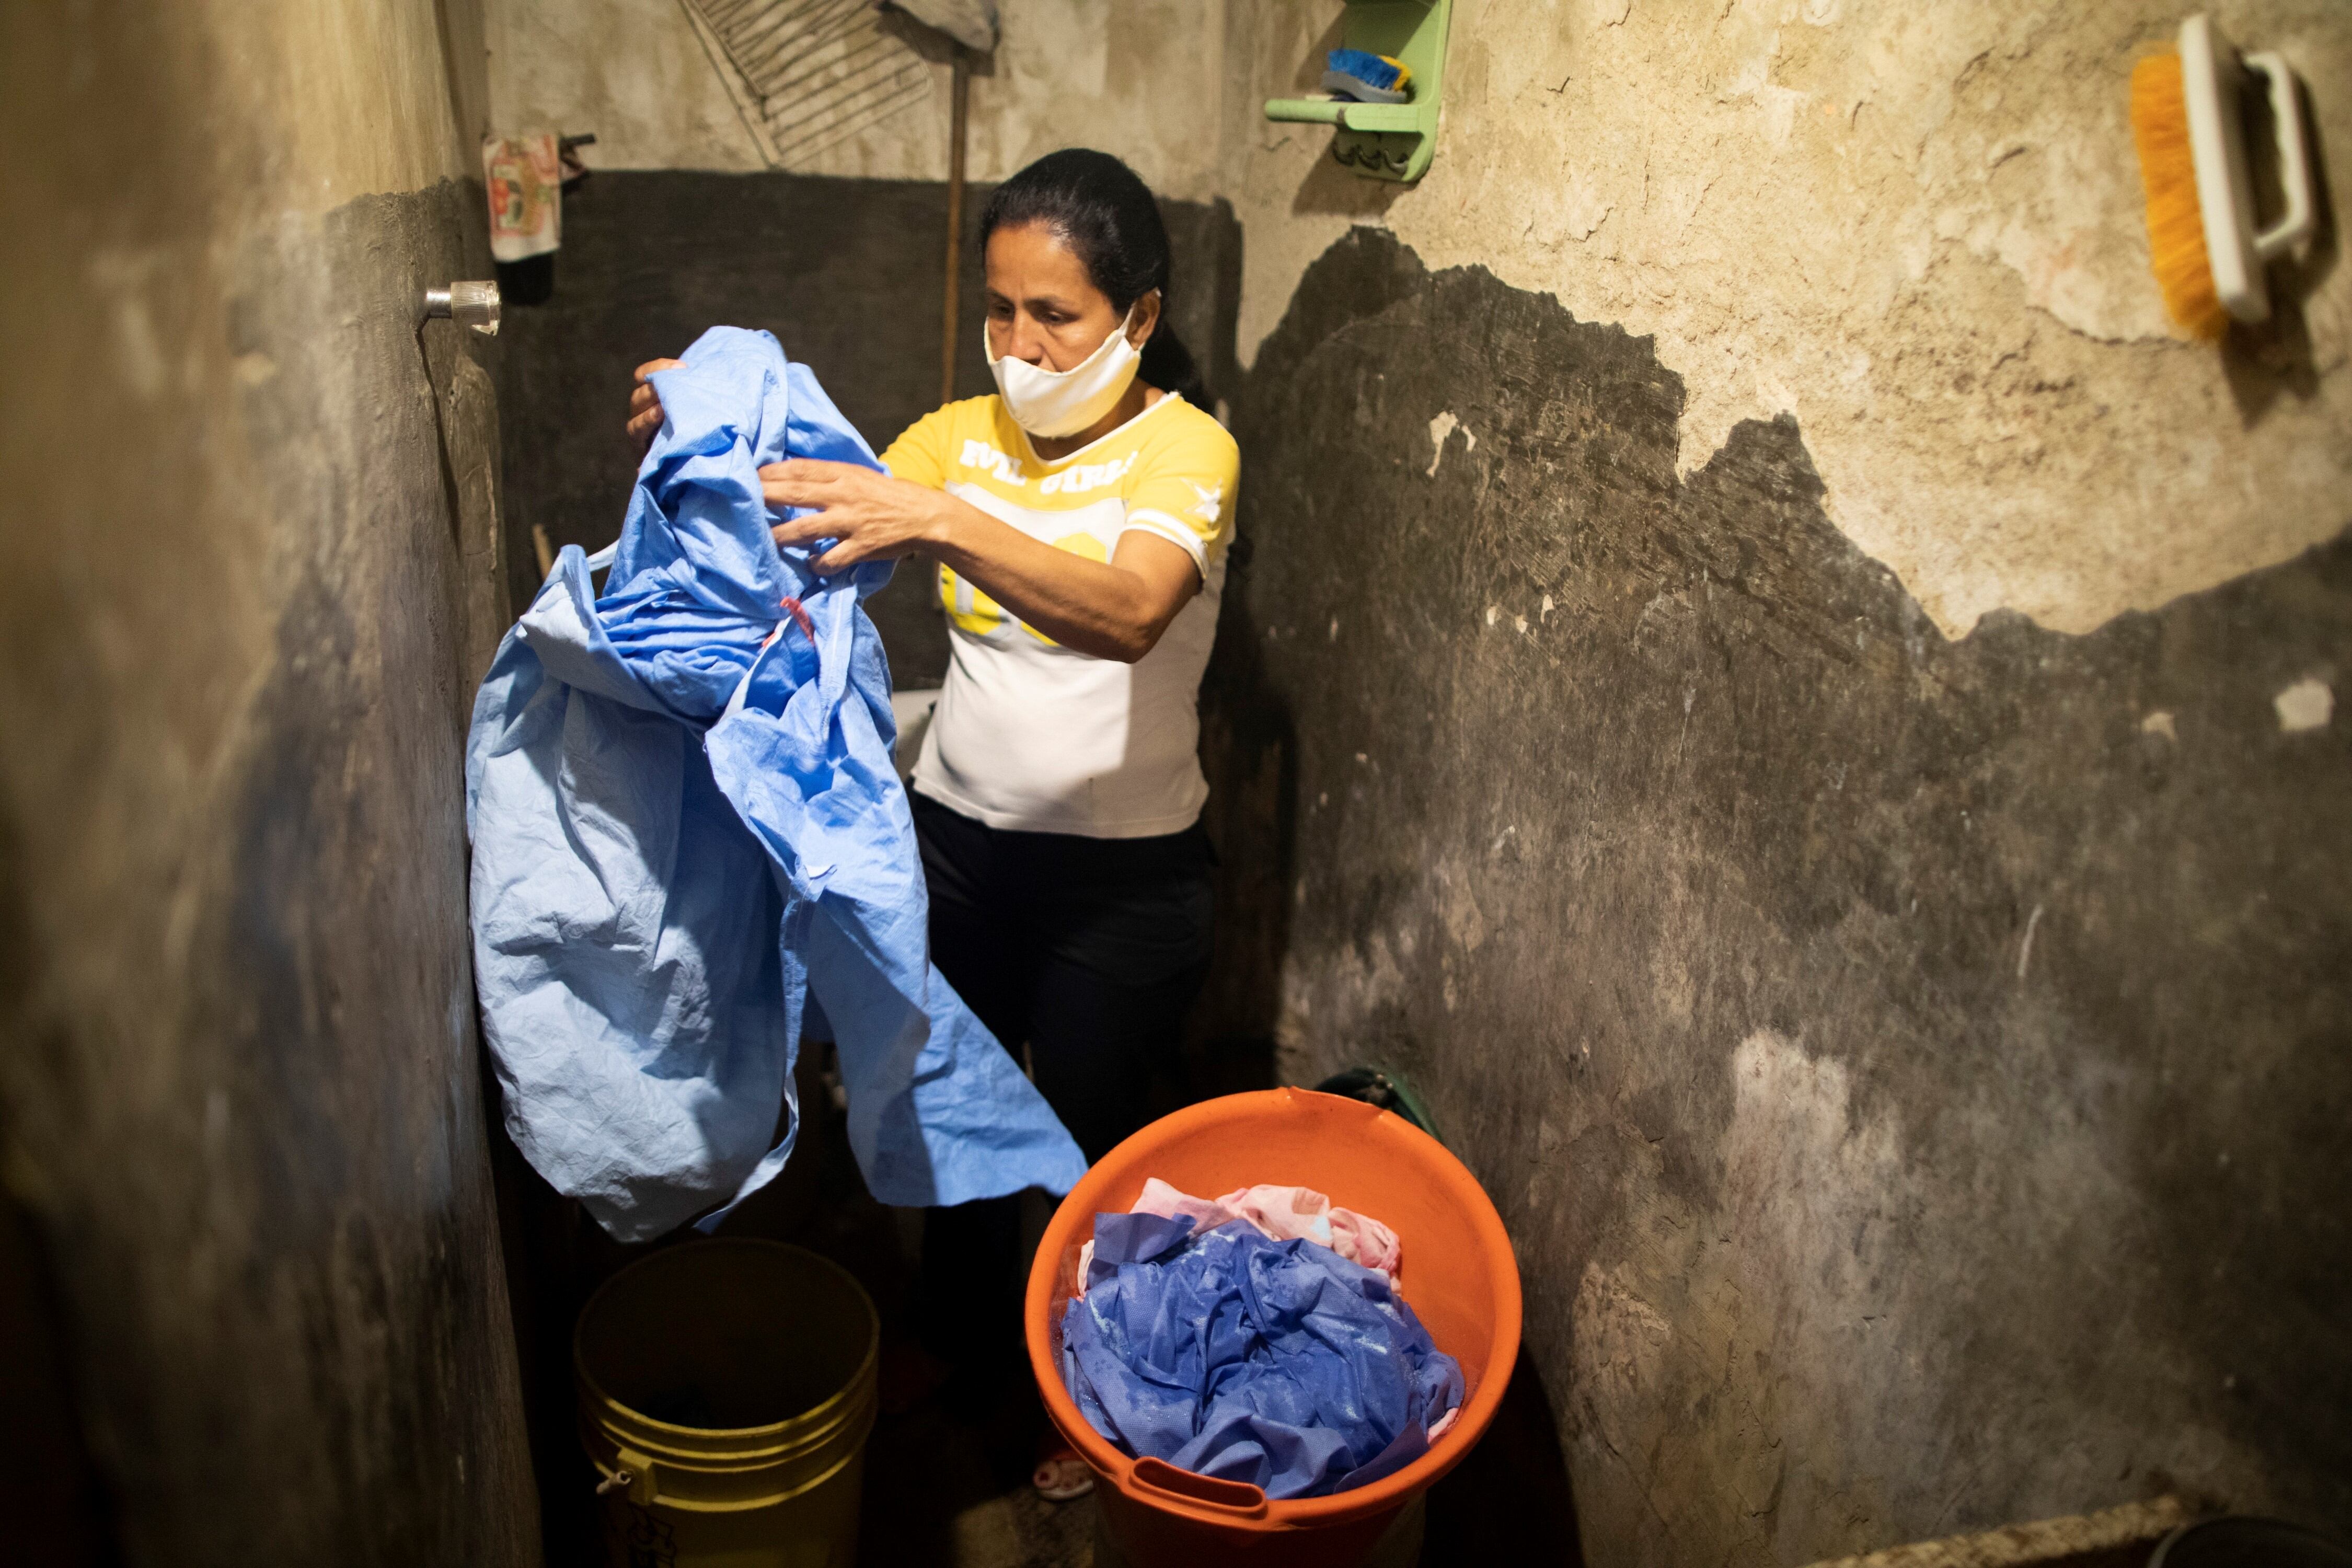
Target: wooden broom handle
{"type": "Point", "coordinates": [959, 98]}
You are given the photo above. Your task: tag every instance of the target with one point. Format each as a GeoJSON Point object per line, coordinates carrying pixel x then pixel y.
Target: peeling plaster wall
{"type": "Point", "coordinates": [1915, 229]}
{"type": "Point", "coordinates": [1760, 678]}
{"type": "Point", "coordinates": [254, 573]}
{"type": "Point", "coordinates": [1140, 79]}
{"type": "Point", "coordinates": [1912, 1070]}
{"type": "Point", "coordinates": [633, 71]}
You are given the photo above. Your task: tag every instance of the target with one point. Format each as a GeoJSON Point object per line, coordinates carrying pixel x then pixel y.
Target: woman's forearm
{"type": "Point", "coordinates": [1113, 609]}
{"type": "Point", "coordinates": [1116, 609]}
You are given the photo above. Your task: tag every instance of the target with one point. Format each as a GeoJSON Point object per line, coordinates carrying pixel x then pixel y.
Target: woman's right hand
{"type": "Point", "coordinates": [645, 404]}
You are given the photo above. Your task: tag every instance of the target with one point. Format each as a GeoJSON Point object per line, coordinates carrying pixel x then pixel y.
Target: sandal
{"type": "Point", "coordinates": [1061, 1476]}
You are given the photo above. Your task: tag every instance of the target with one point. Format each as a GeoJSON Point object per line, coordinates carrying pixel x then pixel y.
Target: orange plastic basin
{"type": "Point", "coordinates": [1458, 1275]}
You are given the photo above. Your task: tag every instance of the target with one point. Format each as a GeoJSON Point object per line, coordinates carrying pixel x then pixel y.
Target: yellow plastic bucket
{"type": "Point", "coordinates": [726, 1391]}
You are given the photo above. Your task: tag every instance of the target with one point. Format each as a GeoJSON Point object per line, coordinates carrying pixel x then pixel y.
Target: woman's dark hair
{"type": "Point", "coordinates": [1109, 219]}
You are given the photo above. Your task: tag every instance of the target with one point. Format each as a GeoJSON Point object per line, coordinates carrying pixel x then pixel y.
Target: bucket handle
{"type": "Point", "coordinates": [632, 1474]}
{"type": "Point", "coordinates": [1237, 1498]}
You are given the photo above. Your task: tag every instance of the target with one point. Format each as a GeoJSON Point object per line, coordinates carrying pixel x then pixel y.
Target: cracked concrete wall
{"type": "Point", "coordinates": [1772, 685]}
{"type": "Point", "coordinates": [1140, 78]}
{"type": "Point", "coordinates": [1761, 678]}
{"type": "Point", "coordinates": [1899, 1100]}
{"type": "Point", "coordinates": [1917, 229]}
{"type": "Point", "coordinates": [255, 573]}
{"type": "Point", "coordinates": [1912, 1070]}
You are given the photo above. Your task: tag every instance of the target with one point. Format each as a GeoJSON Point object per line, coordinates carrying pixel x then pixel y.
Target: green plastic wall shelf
{"type": "Point", "coordinates": [1384, 141]}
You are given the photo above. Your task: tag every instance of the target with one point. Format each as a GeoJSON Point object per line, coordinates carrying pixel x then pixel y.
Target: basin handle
{"type": "Point", "coordinates": [1237, 1498]}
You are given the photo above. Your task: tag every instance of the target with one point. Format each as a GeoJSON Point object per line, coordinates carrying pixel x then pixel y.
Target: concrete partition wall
{"type": "Point", "coordinates": [1763, 680]}
{"type": "Point", "coordinates": [252, 578]}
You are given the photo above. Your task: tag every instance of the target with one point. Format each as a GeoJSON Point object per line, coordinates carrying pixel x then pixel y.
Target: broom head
{"type": "Point", "coordinates": [2168, 170]}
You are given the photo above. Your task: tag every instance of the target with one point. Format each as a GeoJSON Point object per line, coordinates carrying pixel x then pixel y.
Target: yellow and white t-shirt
{"type": "Point", "coordinates": [1028, 734]}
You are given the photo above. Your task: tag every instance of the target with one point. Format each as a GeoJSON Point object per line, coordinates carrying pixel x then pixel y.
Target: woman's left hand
{"type": "Point", "coordinates": [869, 516]}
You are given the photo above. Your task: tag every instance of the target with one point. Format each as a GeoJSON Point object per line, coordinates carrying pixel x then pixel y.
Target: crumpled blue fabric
{"type": "Point", "coordinates": [1277, 1362]}
{"type": "Point", "coordinates": [690, 843]}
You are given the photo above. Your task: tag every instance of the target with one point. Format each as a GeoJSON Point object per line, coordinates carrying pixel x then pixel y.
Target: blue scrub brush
{"type": "Point", "coordinates": [1368, 77]}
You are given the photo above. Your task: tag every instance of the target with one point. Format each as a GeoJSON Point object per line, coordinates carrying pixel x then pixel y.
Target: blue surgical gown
{"type": "Point", "coordinates": [689, 846]}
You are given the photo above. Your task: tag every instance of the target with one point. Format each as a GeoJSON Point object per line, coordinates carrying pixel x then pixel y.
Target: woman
{"type": "Point", "coordinates": [1079, 518]}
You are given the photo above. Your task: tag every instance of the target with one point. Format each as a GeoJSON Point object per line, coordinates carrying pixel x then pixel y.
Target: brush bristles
{"type": "Point", "coordinates": [2168, 168]}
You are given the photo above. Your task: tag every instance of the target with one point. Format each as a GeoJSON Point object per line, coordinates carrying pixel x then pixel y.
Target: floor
{"type": "Point", "coordinates": [938, 1491]}
{"type": "Point", "coordinates": [941, 1491]}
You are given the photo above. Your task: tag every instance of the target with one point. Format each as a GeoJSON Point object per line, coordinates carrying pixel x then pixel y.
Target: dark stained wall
{"type": "Point", "coordinates": [252, 541]}
{"type": "Point", "coordinates": [1915, 1073]}
{"type": "Point", "coordinates": [848, 274]}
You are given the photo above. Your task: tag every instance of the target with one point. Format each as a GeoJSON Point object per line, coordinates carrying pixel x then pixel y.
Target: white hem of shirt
{"type": "Point", "coordinates": [1025, 822]}
{"type": "Point", "coordinates": [1151, 520]}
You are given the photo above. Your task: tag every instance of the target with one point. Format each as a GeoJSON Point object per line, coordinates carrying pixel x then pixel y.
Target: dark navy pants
{"type": "Point", "coordinates": [1088, 952]}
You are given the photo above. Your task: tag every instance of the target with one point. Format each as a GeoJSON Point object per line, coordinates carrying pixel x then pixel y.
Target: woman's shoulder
{"type": "Point", "coordinates": [1183, 431]}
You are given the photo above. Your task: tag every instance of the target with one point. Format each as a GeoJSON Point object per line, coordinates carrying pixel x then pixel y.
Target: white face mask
{"type": "Point", "coordinates": [1052, 403]}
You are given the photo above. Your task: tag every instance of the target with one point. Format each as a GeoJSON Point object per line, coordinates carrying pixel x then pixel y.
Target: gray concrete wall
{"type": "Point", "coordinates": [253, 577]}
{"type": "Point", "coordinates": [1915, 229]}
{"type": "Point", "coordinates": [1143, 79]}
{"type": "Point", "coordinates": [1761, 678]}
{"type": "Point", "coordinates": [1912, 1070]}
